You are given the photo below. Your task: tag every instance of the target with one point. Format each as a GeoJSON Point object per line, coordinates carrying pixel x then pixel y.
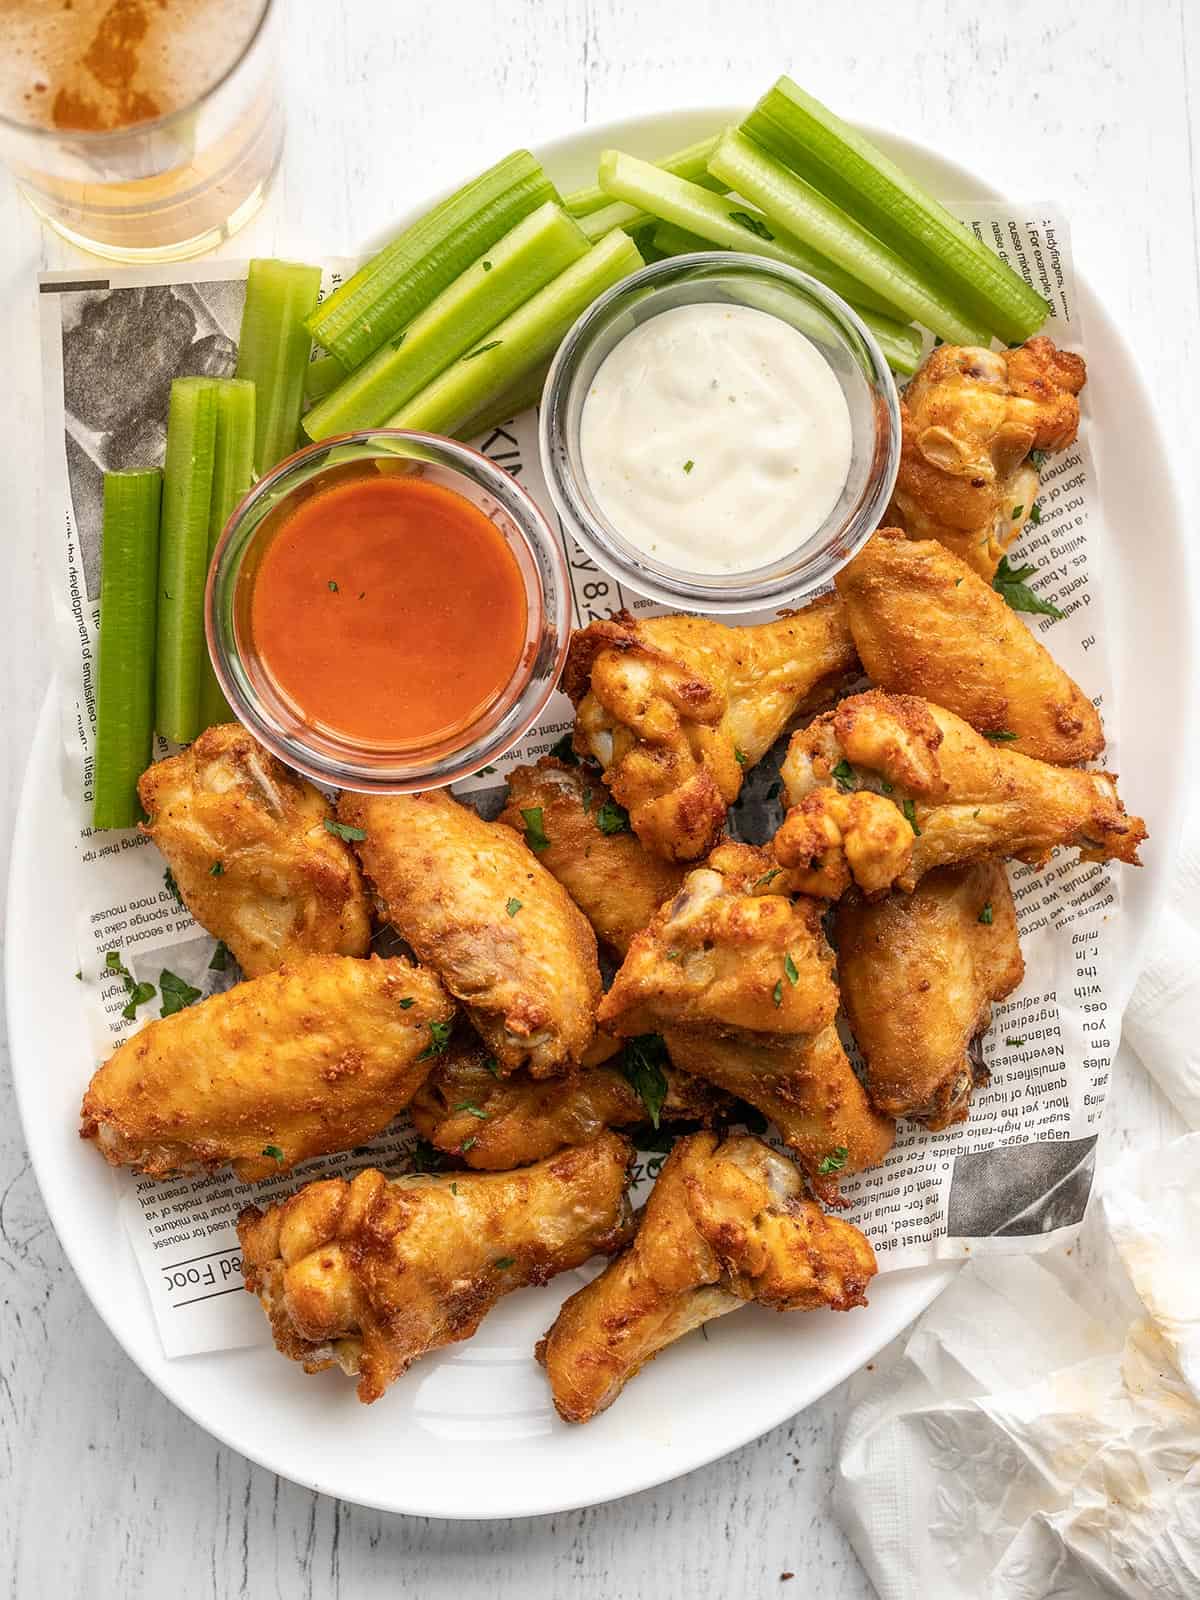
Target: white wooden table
{"type": "Point", "coordinates": [107, 1490]}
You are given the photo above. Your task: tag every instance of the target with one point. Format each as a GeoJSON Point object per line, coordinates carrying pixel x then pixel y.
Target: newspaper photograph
{"type": "Point", "coordinates": [1014, 1177]}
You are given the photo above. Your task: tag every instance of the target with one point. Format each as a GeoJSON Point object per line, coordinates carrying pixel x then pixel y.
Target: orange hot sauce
{"type": "Point", "coordinates": [389, 610]}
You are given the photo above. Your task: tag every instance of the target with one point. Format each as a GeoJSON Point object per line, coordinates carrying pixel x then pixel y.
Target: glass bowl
{"type": "Point", "coordinates": [327, 755]}
{"type": "Point", "coordinates": [725, 277]}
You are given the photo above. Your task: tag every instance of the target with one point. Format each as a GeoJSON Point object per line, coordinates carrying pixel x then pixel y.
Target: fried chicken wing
{"type": "Point", "coordinates": [962, 797]}
{"type": "Point", "coordinates": [371, 1274]}
{"type": "Point", "coordinates": [970, 418]}
{"type": "Point", "coordinates": [726, 1223]}
{"type": "Point", "coordinates": [247, 843]}
{"type": "Point", "coordinates": [611, 877]}
{"type": "Point", "coordinates": [806, 1087]}
{"type": "Point", "coordinates": [729, 954]}
{"type": "Point", "coordinates": [317, 1057]}
{"type": "Point", "coordinates": [924, 623]}
{"type": "Point", "coordinates": [919, 973]}
{"type": "Point", "coordinates": [479, 908]}
{"type": "Point", "coordinates": [676, 709]}
{"type": "Point", "coordinates": [463, 1109]}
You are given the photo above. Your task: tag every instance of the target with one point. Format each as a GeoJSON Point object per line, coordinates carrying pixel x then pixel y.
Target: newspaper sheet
{"type": "Point", "coordinates": [1015, 1177]}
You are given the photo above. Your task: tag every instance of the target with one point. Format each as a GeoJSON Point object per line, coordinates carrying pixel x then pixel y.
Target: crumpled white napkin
{"type": "Point", "coordinates": [1022, 1449]}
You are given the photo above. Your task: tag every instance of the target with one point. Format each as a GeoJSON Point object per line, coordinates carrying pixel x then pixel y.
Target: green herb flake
{"type": "Point", "coordinates": [845, 775]}
{"type": "Point", "coordinates": [343, 830]}
{"type": "Point", "coordinates": [612, 818]}
{"type": "Point", "coordinates": [1017, 510]}
{"type": "Point", "coordinates": [220, 957]}
{"type": "Point", "coordinates": [910, 816]}
{"type": "Point", "coordinates": [492, 344]}
{"type": "Point", "coordinates": [1035, 514]}
{"type": "Point", "coordinates": [1037, 459]}
{"type": "Point", "coordinates": [138, 995]}
{"type": "Point", "coordinates": [453, 1188]}
{"type": "Point", "coordinates": [767, 878]}
{"type": "Point", "coordinates": [439, 1040]}
{"type": "Point", "coordinates": [985, 916]}
{"type": "Point", "coordinates": [755, 224]}
{"type": "Point", "coordinates": [688, 465]}
{"type": "Point", "coordinates": [273, 1150]}
{"type": "Point", "coordinates": [1011, 584]}
{"type": "Point", "coordinates": [535, 832]}
{"type": "Point", "coordinates": [777, 993]}
{"type": "Point", "coordinates": [888, 788]}
{"type": "Point", "coordinates": [834, 1161]}
{"type": "Point", "coordinates": [513, 907]}
{"type": "Point", "coordinates": [486, 265]}
{"type": "Point", "coordinates": [957, 581]}
{"type": "Point", "coordinates": [1015, 1042]}
{"type": "Point", "coordinates": [490, 1064]}
{"type": "Point", "coordinates": [1001, 736]}
{"type": "Point", "coordinates": [176, 994]}
{"type": "Point", "coordinates": [407, 1002]}
{"type": "Point", "coordinates": [333, 588]}
{"type": "Point", "coordinates": [217, 870]}
{"type": "Point", "coordinates": [740, 757]}
{"type": "Point", "coordinates": [564, 750]}
{"type": "Point", "coordinates": [642, 1063]}
{"type": "Point", "coordinates": [467, 1144]}
{"type": "Point", "coordinates": [789, 968]}
{"type": "Point", "coordinates": [476, 1111]}
{"type": "Point", "coordinates": [113, 963]}
{"type": "Point", "coordinates": [502, 1263]}
{"type": "Point", "coordinates": [483, 771]}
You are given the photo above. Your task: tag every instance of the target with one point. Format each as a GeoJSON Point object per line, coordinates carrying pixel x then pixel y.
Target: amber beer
{"type": "Point", "coordinates": [143, 130]}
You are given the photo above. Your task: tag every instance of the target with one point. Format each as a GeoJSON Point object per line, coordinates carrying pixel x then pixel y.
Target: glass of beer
{"type": "Point", "coordinates": [142, 130]}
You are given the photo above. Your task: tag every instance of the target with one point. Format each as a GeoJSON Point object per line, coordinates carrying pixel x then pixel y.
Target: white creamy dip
{"type": "Point", "coordinates": [715, 438]}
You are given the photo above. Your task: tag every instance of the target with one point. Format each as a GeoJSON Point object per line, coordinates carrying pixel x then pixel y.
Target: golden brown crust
{"type": "Point", "coordinates": [919, 974]}
{"type": "Point", "coordinates": [246, 841]}
{"type": "Point", "coordinates": [317, 1057]}
{"type": "Point", "coordinates": [373, 1274]}
{"type": "Point", "coordinates": [726, 1223]}
{"type": "Point", "coordinates": [926, 624]}
{"type": "Point", "coordinates": [479, 908]}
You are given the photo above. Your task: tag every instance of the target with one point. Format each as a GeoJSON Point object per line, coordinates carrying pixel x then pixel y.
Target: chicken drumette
{"type": "Point", "coordinates": [970, 419]}
{"type": "Point", "coordinates": [371, 1274]}
{"type": "Point", "coordinates": [726, 1223]}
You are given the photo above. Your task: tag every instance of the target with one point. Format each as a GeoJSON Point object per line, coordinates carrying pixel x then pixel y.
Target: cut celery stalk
{"type": "Point", "coordinates": [796, 205]}
{"type": "Point", "coordinates": [674, 241]}
{"type": "Point", "coordinates": [691, 163]}
{"type": "Point", "coordinates": [899, 342]}
{"type": "Point", "coordinates": [518, 397]}
{"type": "Point", "coordinates": [125, 670]}
{"type": "Point", "coordinates": [321, 376]}
{"type": "Point", "coordinates": [848, 169]}
{"type": "Point", "coordinates": [183, 555]}
{"type": "Point", "coordinates": [386, 293]}
{"type": "Point", "coordinates": [726, 222]}
{"type": "Point", "coordinates": [614, 215]}
{"type": "Point", "coordinates": [540, 247]}
{"type": "Point", "coordinates": [233, 473]}
{"type": "Point", "coordinates": [273, 352]}
{"type": "Point", "coordinates": [516, 347]}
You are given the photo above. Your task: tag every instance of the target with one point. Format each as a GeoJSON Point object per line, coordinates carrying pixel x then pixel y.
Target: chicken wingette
{"type": "Point", "coordinates": [919, 973]}
{"type": "Point", "coordinates": [726, 1223]}
{"type": "Point", "coordinates": [925, 623]}
{"type": "Point", "coordinates": [248, 845]}
{"type": "Point", "coordinates": [676, 709]}
{"type": "Point", "coordinates": [888, 786]}
{"type": "Point", "coordinates": [478, 907]}
{"type": "Point", "coordinates": [317, 1057]}
{"type": "Point", "coordinates": [370, 1274]}
{"type": "Point", "coordinates": [970, 419]}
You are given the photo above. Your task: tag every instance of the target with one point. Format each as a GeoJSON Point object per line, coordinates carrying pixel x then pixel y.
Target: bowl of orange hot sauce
{"type": "Point", "coordinates": [388, 611]}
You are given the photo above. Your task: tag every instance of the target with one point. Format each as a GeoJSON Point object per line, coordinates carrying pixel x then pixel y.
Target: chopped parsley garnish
{"type": "Point", "coordinates": [985, 916]}
{"type": "Point", "coordinates": [1035, 514]}
{"type": "Point", "coordinates": [1011, 585]}
{"type": "Point", "coordinates": [612, 818]}
{"type": "Point", "coordinates": [407, 1002]}
{"type": "Point", "coordinates": [343, 830]}
{"type": "Point", "coordinates": [674, 955]}
{"type": "Point", "coordinates": [220, 957]}
{"type": "Point", "coordinates": [777, 993]}
{"type": "Point", "coordinates": [887, 787]}
{"type": "Point", "coordinates": [502, 1263]}
{"type": "Point", "coordinates": [1015, 1042]}
{"type": "Point", "coordinates": [490, 1064]}
{"type": "Point", "coordinates": [177, 995]}
{"type": "Point", "coordinates": [169, 880]}
{"type": "Point", "coordinates": [485, 770]}
{"type": "Point", "coordinates": [535, 832]}
{"type": "Point", "coordinates": [217, 870]}
{"type": "Point", "coordinates": [910, 816]}
{"type": "Point", "coordinates": [467, 1144]}
{"type": "Point", "coordinates": [138, 995]}
{"type": "Point", "coordinates": [273, 1150]}
{"type": "Point", "coordinates": [688, 465]}
{"type": "Point", "coordinates": [834, 1161]}
{"type": "Point", "coordinates": [756, 226]}
{"type": "Point", "coordinates": [1037, 459]}
{"type": "Point", "coordinates": [789, 969]}
{"type": "Point", "coordinates": [513, 907]}
{"type": "Point", "coordinates": [564, 750]}
{"type": "Point", "coordinates": [476, 1111]}
{"type": "Point", "coordinates": [486, 265]}
{"type": "Point", "coordinates": [333, 588]}
{"type": "Point", "coordinates": [492, 344]}
{"type": "Point", "coordinates": [1001, 736]}
{"type": "Point", "coordinates": [1016, 512]}
{"type": "Point", "coordinates": [767, 877]}
{"type": "Point", "coordinates": [453, 1188]}
{"type": "Point", "coordinates": [740, 757]}
{"type": "Point", "coordinates": [113, 963]}
{"type": "Point", "coordinates": [642, 1063]}
{"type": "Point", "coordinates": [844, 773]}
{"type": "Point", "coordinates": [439, 1039]}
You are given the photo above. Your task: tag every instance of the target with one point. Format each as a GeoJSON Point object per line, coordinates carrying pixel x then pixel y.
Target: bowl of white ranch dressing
{"type": "Point", "coordinates": [720, 432]}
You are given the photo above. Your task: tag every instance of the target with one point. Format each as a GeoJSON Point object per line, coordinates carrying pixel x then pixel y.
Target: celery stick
{"type": "Point", "coordinates": [183, 555]}
{"type": "Point", "coordinates": [691, 163]}
{"type": "Point", "coordinates": [836, 160]}
{"type": "Point", "coordinates": [233, 473]}
{"type": "Point", "coordinates": [321, 376]}
{"type": "Point", "coordinates": [520, 396]}
{"type": "Point", "coordinates": [388, 291]}
{"type": "Point", "coordinates": [273, 352]}
{"type": "Point", "coordinates": [614, 215]}
{"type": "Point", "coordinates": [726, 221]}
{"type": "Point", "coordinates": [797, 206]}
{"type": "Point", "coordinates": [673, 241]}
{"type": "Point", "coordinates": [541, 246]}
{"type": "Point", "coordinates": [899, 343]}
{"type": "Point", "coordinates": [125, 671]}
{"type": "Point", "coordinates": [515, 348]}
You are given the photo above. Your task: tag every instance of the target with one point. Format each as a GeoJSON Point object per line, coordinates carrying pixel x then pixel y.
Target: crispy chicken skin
{"type": "Point", "coordinates": [924, 623]}
{"type": "Point", "coordinates": [479, 908]}
{"type": "Point", "coordinates": [370, 1274]}
{"type": "Point", "coordinates": [726, 1223]}
{"type": "Point", "coordinates": [611, 877]}
{"type": "Point", "coordinates": [676, 709]}
{"type": "Point", "coordinates": [969, 419]}
{"type": "Point", "coordinates": [806, 1087]}
{"type": "Point", "coordinates": [317, 1057]}
{"type": "Point", "coordinates": [246, 841]}
{"type": "Point", "coordinates": [919, 973]}
{"type": "Point", "coordinates": [729, 954]}
{"type": "Point", "coordinates": [494, 1124]}
{"type": "Point", "coordinates": [950, 795]}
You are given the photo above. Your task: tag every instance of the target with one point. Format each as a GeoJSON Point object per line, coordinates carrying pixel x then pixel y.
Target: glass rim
{"type": "Point", "coordinates": [102, 138]}
{"type": "Point", "coordinates": [513, 714]}
{"type": "Point", "coordinates": [759, 588]}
